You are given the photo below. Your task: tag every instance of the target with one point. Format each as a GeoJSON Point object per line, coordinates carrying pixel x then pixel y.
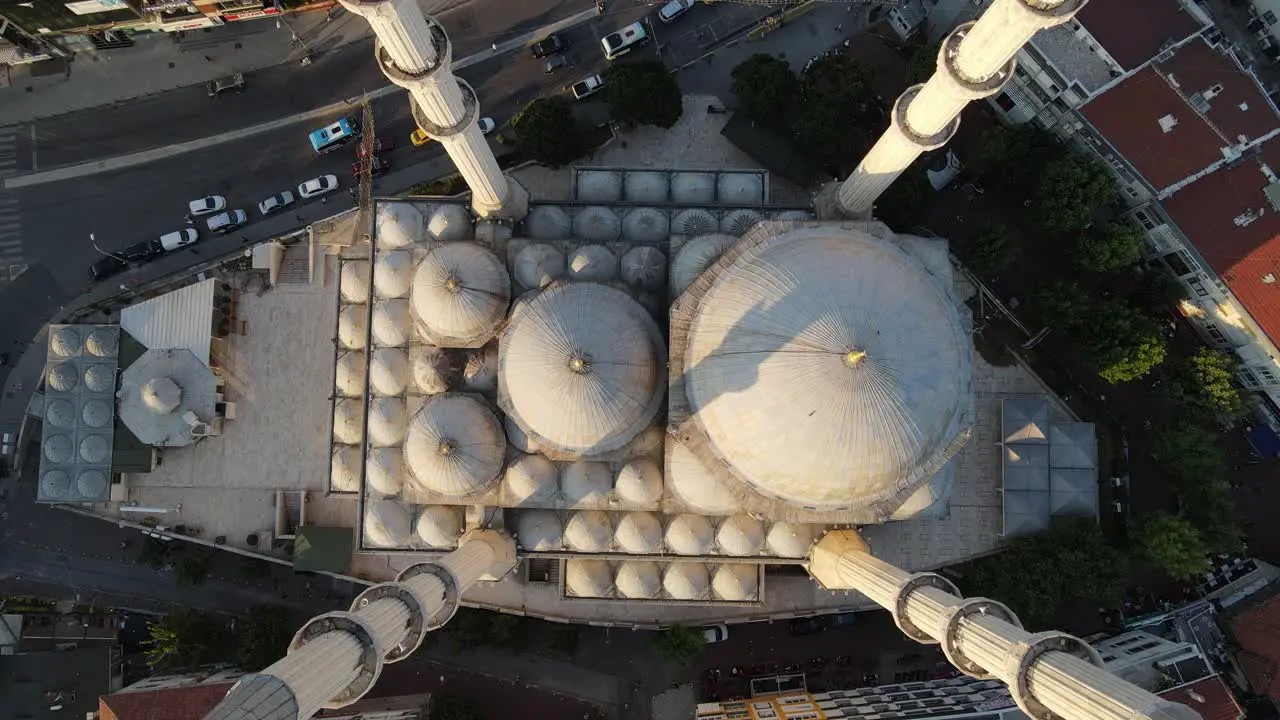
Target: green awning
{"type": "Point", "coordinates": [322, 549]}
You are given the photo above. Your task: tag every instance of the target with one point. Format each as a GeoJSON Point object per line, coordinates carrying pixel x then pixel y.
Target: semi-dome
{"type": "Point", "coordinates": [59, 448]}
{"type": "Point", "coordinates": [686, 581]}
{"type": "Point", "coordinates": [639, 533]}
{"type": "Point", "coordinates": [693, 188]}
{"type": "Point", "coordinates": [95, 413]}
{"type": "Point", "coordinates": [739, 222]}
{"type": "Point", "coordinates": [91, 483]}
{"type": "Point", "coordinates": [531, 480]}
{"type": "Point", "coordinates": [695, 257]}
{"type": "Point", "coordinates": [690, 535]}
{"type": "Point", "coordinates": [55, 484]}
{"type": "Point", "coordinates": [387, 421]}
{"type": "Point", "coordinates": [385, 470]}
{"type": "Point", "coordinates": [389, 371]}
{"type": "Point", "coordinates": [455, 446]}
{"type": "Point", "coordinates": [391, 323]}
{"type": "Point", "coordinates": [581, 369]}
{"type": "Point", "coordinates": [392, 274]}
{"type": "Point", "coordinates": [353, 326]}
{"type": "Point", "coordinates": [386, 524]}
{"type": "Point", "coordinates": [60, 413]}
{"type": "Point", "coordinates": [586, 483]}
{"type": "Point", "coordinates": [348, 376]}
{"type": "Point", "coordinates": [100, 378]}
{"type": "Point", "coordinates": [439, 526]}
{"type": "Point", "coordinates": [639, 483]}
{"type": "Point", "coordinates": [548, 222]}
{"type": "Point", "coordinates": [161, 395]}
{"type": "Point", "coordinates": [638, 580]}
{"type": "Point", "coordinates": [589, 531]}
{"type": "Point", "coordinates": [827, 368]}
{"type": "Point", "coordinates": [95, 449]}
{"type": "Point", "coordinates": [398, 225]}
{"type": "Point", "coordinates": [736, 582]}
{"type": "Point", "coordinates": [480, 369]}
{"type": "Point", "coordinates": [646, 225]}
{"type": "Point", "coordinates": [587, 578]}
{"type": "Point", "coordinates": [64, 341]}
{"type": "Point", "coordinates": [102, 342]}
{"type": "Point", "coordinates": [344, 469]}
{"type": "Point", "coordinates": [539, 530]}
{"type": "Point", "coordinates": [599, 186]}
{"type": "Point", "coordinates": [346, 421]}
{"type": "Point", "coordinates": [740, 189]}
{"type": "Point", "coordinates": [597, 224]}
{"type": "Point", "coordinates": [435, 370]}
{"type": "Point", "coordinates": [63, 378]}
{"type": "Point", "coordinates": [644, 267]}
{"type": "Point", "coordinates": [695, 485]}
{"type": "Point", "coordinates": [646, 186]}
{"type": "Point", "coordinates": [353, 281]}
{"type": "Point", "coordinates": [791, 540]}
{"type": "Point", "coordinates": [449, 223]}
{"type": "Point", "coordinates": [592, 263]}
{"type": "Point", "coordinates": [460, 295]}
{"type": "Point", "coordinates": [518, 438]}
{"type": "Point", "coordinates": [740, 535]}
{"type": "Point", "coordinates": [538, 265]}
{"type": "Point", "coordinates": [694, 222]}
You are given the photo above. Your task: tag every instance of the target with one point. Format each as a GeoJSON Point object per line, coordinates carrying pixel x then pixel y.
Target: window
{"type": "Point", "coordinates": [1270, 17]}
{"type": "Point", "coordinates": [1217, 335]}
{"type": "Point", "coordinates": [1267, 375]}
{"type": "Point", "coordinates": [1005, 102]}
{"type": "Point", "coordinates": [1179, 263]}
{"type": "Point", "coordinates": [1247, 377]}
{"type": "Point", "coordinates": [1142, 217]}
{"type": "Point", "coordinates": [1128, 189]}
{"type": "Point", "coordinates": [1199, 287]}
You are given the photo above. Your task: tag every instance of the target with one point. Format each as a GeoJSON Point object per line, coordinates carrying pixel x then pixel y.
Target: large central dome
{"type": "Point", "coordinates": [828, 368]}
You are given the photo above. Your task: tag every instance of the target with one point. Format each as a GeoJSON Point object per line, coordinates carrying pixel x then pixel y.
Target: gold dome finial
{"type": "Point", "coordinates": [446, 447]}
{"type": "Point", "coordinates": [854, 357]}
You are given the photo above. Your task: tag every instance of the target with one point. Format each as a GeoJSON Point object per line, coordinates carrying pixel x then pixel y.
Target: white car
{"type": "Point", "coordinates": [715, 633]}
{"type": "Point", "coordinates": [316, 187]}
{"type": "Point", "coordinates": [486, 125]}
{"type": "Point", "coordinates": [674, 9]}
{"type": "Point", "coordinates": [206, 205]}
{"type": "Point", "coordinates": [224, 223]}
{"type": "Point", "coordinates": [276, 202]}
{"type": "Point", "coordinates": [178, 239]}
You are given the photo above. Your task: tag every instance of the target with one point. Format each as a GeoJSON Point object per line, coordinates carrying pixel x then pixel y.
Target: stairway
{"type": "Point", "coordinates": [110, 40]}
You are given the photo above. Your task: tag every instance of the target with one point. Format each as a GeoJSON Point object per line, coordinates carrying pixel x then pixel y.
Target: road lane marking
{"type": "Point", "coordinates": [34, 166]}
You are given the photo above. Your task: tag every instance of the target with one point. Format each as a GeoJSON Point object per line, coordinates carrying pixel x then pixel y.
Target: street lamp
{"type": "Point", "coordinates": [93, 242]}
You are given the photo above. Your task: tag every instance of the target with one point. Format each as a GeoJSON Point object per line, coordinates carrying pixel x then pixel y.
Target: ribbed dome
{"type": "Point", "coordinates": [59, 448]}
{"type": "Point", "coordinates": [696, 486]}
{"type": "Point", "coordinates": [346, 421]}
{"type": "Point", "coordinates": [586, 483]}
{"type": "Point", "coordinates": [581, 368]}
{"type": "Point", "coordinates": [646, 186]}
{"type": "Point", "coordinates": [102, 343]}
{"type": "Point", "coordinates": [531, 480]}
{"type": "Point", "coordinates": [539, 530]}
{"type": "Point", "coordinates": [449, 223]}
{"type": "Point", "coordinates": [392, 274]}
{"type": "Point", "coordinates": [353, 326]}
{"type": "Point", "coordinates": [639, 533]}
{"type": "Point", "coordinates": [439, 526]}
{"type": "Point", "coordinates": [592, 263]}
{"type": "Point", "coordinates": [690, 535]}
{"type": "Point", "coordinates": [65, 341]}
{"type": "Point", "coordinates": [385, 471]}
{"type": "Point", "coordinates": [695, 257]}
{"type": "Point", "coordinates": [587, 578]}
{"type": "Point", "coordinates": [55, 484]}
{"type": "Point", "coordinates": [480, 371]}
{"type": "Point", "coordinates": [738, 582]}
{"type": "Point", "coordinates": [739, 222]}
{"type": "Point", "coordinates": [344, 469]}
{"type": "Point", "coordinates": [693, 188]}
{"type": "Point", "coordinates": [517, 438]}
{"type": "Point", "coordinates": [589, 531]}
{"type": "Point", "coordinates": [460, 295]}
{"type": "Point", "coordinates": [92, 483]}
{"type": "Point", "coordinates": [599, 186]}
{"type": "Point", "coordinates": [455, 446]}
{"type": "Point", "coordinates": [60, 413]}
{"type": "Point", "coordinates": [740, 535]}
{"type": "Point", "coordinates": [354, 281]}
{"type": "Point", "coordinates": [391, 324]}
{"type": "Point", "coordinates": [646, 225]}
{"type": "Point", "coordinates": [389, 371]}
{"type": "Point", "coordinates": [638, 580]}
{"type": "Point", "coordinates": [161, 395]}
{"type": "Point", "coordinates": [694, 222]}
{"type": "Point", "coordinates": [548, 222]}
{"type": "Point", "coordinates": [790, 539]}
{"type": "Point", "coordinates": [63, 378]}
{"type": "Point", "coordinates": [348, 376]}
{"type": "Point", "coordinates": [828, 368]}
{"type": "Point", "coordinates": [739, 189]}
{"type": "Point", "coordinates": [597, 224]}
{"type": "Point", "coordinates": [95, 449]}
{"type": "Point", "coordinates": [100, 378]}
{"type": "Point", "coordinates": [398, 225]}
{"type": "Point", "coordinates": [435, 370]}
{"type": "Point", "coordinates": [686, 581]}
{"type": "Point", "coordinates": [95, 413]}
{"type": "Point", "coordinates": [387, 421]}
{"type": "Point", "coordinates": [538, 265]}
{"type": "Point", "coordinates": [644, 267]}
{"type": "Point", "coordinates": [386, 524]}
{"type": "Point", "coordinates": [639, 483]}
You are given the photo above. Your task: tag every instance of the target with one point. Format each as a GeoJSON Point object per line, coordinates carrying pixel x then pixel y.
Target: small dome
{"type": "Point", "coordinates": [455, 446]}
{"type": "Point", "coordinates": [346, 421]}
{"type": "Point", "coordinates": [385, 471]}
{"type": "Point", "coordinates": [63, 378]}
{"type": "Point", "coordinates": [531, 480]}
{"type": "Point", "coordinates": [387, 421]}
{"type": "Point", "coordinates": [694, 222]}
{"type": "Point", "coordinates": [592, 263]}
{"type": "Point", "coordinates": [695, 485]}
{"type": "Point", "coordinates": [794, 216]}
{"type": "Point", "coordinates": [65, 341]}
{"type": "Point", "coordinates": [638, 580]}
{"type": "Point", "coordinates": [639, 483]}
{"type": "Point", "coordinates": [439, 526]}
{"type": "Point", "coordinates": [91, 484]}
{"type": "Point", "coordinates": [348, 376]}
{"type": "Point", "coordinates": [690, 535]}
{"type": "Point", "coordinates": [59, 449]}
{"type": "Point", "coordinates": [548, 222]}
{"type": "Point", "coordinates": [692, 188]}
{"type": "Point", "coordinates": [60, 413]}
{"type": "Point", "coordinates": [597, 224]}
{"type": "Point", "coordinates": [586, 483]}
{"type": "Point", "coordinates": [391, 325]}
{"type": "Point", "coordinates": [389, 372]}
{"type": "Point", "coordinates": [449, 223]}
{"type": "Point", "coordinates": [386, 524]}
{"type": "Point", "coordinates": [539, 530]}
{"type": "Point", "coordinates": [103, 342]}
{"type": "Point", "coordinates": [589, 531]}
{"type": "Point", "coordinates": [644, 267]}
{"type": "Point", "coordinates": [392, 274]}
{"type": "Point", "coordinates": [353, 281]}
{"type": "Point", "coordinates": [695, 256]}
{"type": "Point", "coordinates": [55, 484]}
{"type": "Point", "coordinates": [353, 326]}
{"type": "Point", "coordinates": [434, 369]}
{"type": "Point", "coordinates": [398, 225]}
{"type": "Point", "coordinates": [95, 449]}
{"type": "Point", "coordinates": [686, 581]}
{"type": "Point", "coordinates": [96, 413]}
{"type": "Point", "coordinates": [100, 379]}
{"type": "Point", "coordinates": [740, 535]}
{"type": "Point", "coordinates": [791, 540]}
{"type": "Point", "coordinates": [344, 469]}
{"type": "Point", "coordinates": [646, 225]}
{"type": "Point", "coordinates": [737, 582]}
{"type": "Point", "coordinates": [739, 222]}
{"type": "Point", "coordinates": [587, 578]}
{"type": "Point", "coordinates": [740, 189]}
{"type": "Point", "coordinates": [646, 186]}
{"type": "Point", "coordinates": [599, 186]}
{"type": "Point", "coordinates": [538, 265]}
{"type": "Point", "coordinates": [639, 533]}
{"type": "Point", "coordinates": [460, 294]}
{"type": "Point", "coordinates": [517, 438]}
{"type": "Point", "coordinates": [480, 371]}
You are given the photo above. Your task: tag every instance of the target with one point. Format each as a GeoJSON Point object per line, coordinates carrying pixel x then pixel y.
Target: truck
{"type": "Point", "coordinates": [587, 87]}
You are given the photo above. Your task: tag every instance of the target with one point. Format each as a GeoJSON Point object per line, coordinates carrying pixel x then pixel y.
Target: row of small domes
{"type": "Point", "coordinates": [647, 580]}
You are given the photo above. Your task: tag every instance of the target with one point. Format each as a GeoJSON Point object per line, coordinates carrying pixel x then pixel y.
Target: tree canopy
{"type": "Point", "coordinates": [906, 201]}
{"type": "Point", "coordinates": [1121, 342]}
{"type": "Point", "coordinates": [547, 132]}
{"type": "Point", "coordinates": [643, 93]}
{"type": "Point", "coordinates": [184, 638]}
{"type": "Point", "coordinates": [680, 645]}
{"type": "Point", "coordinates": [767, 90]}
{"type": "Point", "coordinates": [838, 109]}
{"type": "Point", "coordinates": [1187, 454]}
{"type": "Point", "coordinates": [993, 251]}
{"type": "Point", "coordinates": [262, 636]}
{"type": "Point", "coordinates": [1064, 305]}
{"type": "Point", "coordinates": [449, 707]}
{"type": "Point", "coordinates": [1173, 545]}
{"type": "Point", "coordinates": [1158, 292]}
{"type": "Point", "coordinates": [1109, 248]}
{"type": "Point", "coordinates": [922, 63]}
{"type": "Point", "coordinates": [1013, 156]}
{"type": "Point", "coordinates": [193, 570]}
{"type": "Point", "coordinates": [1204, 386]}
{"type": "Point", "coordinates": [1071, 190]}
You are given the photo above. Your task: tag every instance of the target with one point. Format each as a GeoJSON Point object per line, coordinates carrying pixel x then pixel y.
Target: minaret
{"type": "Point", "coordinates": [1051, 675]}
{"type": "Point", "coordinates": [336, 657]}
{"type": "Point", "coordinates": [974, 62]}
{"type": "Point", "coordinates": [415, 54]}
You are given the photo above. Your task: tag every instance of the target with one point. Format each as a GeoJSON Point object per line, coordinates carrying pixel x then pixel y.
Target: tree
{"type": "Point", "coordinates": [838, 111]}
{"type": "Point", "coordinates": [182, 639]}
{"type": "Point", "coordinates": [547, 133]}
{"type": "Point", "coordinates": [1172, 544]}
{"type": "Point", "coordinates": [193, 570]}
{"type": "Point", "coordinates": [1158, 292]}
{"type": "Point", "coordinates": [922, 63]}
{"type": "Point", "coordinates": [1064, 305]}
{"type": "Point", "coordinates": [906, 201]}
{"type": "Point", "coordinates": [1188, 455]}
{"type": "Point", "coordinates": [680, 645]}
{"type": "Point", "coordinates": [1121, 342]}
{"type": "Point", "coordinates": [643, 93]}
{"type": "Point", "coordinates": [1070, 191]}
{"type": "Point", "coordinates": [993, 251]}
{"type": "Point", "coordinates": [1110, 248]}
{"type": "Point", "coordinates": [767, 90]}
{"type": "Point", "coordinates": [565, 639]}
{"type": "Point", "coordinates": [449, 707]}
{"type": "Point", "coordinates": [153, 552]}
{"type": "Point", "coordinates": [262, 636]}
{"type": "Point", "coordinates": [1013, 157]}
{"type": "Point", "coordinates": [1204, 386]}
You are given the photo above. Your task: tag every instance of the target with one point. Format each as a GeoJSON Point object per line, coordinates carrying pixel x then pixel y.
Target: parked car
{"type": "Point", "coordinates": [809, 625]}
{"type": "Point", "coordinates": [275, 203]}
{"type": "Point", "coordinates": [419, 137]}
{"type": "Point", "coordinates": [674, 9]}
{"type": "Point", "coordinates": [715, 634]}
{"type": "Point", "coordinates": [230, 85]}
{"type": "Point", "coordinates": [381, 144]}
{"type": "Point", "coordinates": [106, 266]}
{"type": "Point", "coordinates": [587, 87]}
{"type": "Point", "coordinates": [374, 167]}
{"type": "Point", "coordinates": [184, 237]}
{"type": "Point", "coordinates": [141, 251]}
{"type": "Point", "coordinates": [842, 619]}
{"type": "Point", "coordinates": [316, 187]}
{"type": "Point", "coordinates": [549, 45]}
{"type": "Point", "coordinates": [486, 125]}
{"type": "Point", "coordinates": [226, 222]}
{"type": "Point", "coordinates": [206, 205]}
{"type": "Point", "coordinates": [558, 62]}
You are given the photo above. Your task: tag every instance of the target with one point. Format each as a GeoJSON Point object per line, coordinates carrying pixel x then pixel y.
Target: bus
{"type": "Point", "coordinates": [331, 137]}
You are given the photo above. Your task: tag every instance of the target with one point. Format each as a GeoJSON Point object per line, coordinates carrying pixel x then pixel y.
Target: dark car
{"type": "Point", "coordinates": [142, 251]}
{"type": "Point", "coordinates": [809, 625]}
{"type": "Point", "coordinates": [107, 266]}
{"type": "Point", "coordinates": [559, 62]}
{"type": "Point", "coordinates": [842, 619]}
{"type": "Point", "coordinates": [550, 45]}
{"type": "Point", "coordinates": [230, 85]}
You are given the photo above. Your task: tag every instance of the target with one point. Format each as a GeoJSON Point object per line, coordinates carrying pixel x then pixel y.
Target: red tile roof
{"type": "Point", "coordinates": [1210, 697]}
{"type": "Point", "coordinates": [1134, 31]}
{"type": "Point", "coordinates": [1257, 630]}
{"type": "Point", "coordinates": [192, 702]}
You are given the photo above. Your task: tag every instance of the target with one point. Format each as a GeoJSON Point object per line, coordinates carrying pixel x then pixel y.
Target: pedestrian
{"type": "Point", "coordinates": [208, 58]}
